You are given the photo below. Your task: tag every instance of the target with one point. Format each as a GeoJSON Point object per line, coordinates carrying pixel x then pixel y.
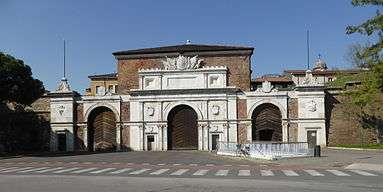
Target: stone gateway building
{"type": "Point", "coordinates": [185, 97]}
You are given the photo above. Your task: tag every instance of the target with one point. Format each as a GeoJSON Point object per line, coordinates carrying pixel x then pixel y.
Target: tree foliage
{"type": "Point", "coordinates": [368, 97]}
{"type": "Point", "coordinates": [16, 81]}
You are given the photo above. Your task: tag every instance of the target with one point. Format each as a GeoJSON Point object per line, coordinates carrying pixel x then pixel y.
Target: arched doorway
{"type": "Point", "coordinates": [182, 128]}
{"type": "Point", "coordinates": [101, 130]}
{"type": "Point", "coordinates": [266, 123]}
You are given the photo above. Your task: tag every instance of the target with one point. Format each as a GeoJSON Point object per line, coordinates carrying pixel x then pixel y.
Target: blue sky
{"type": "Point", "coordinates": [34, 31]}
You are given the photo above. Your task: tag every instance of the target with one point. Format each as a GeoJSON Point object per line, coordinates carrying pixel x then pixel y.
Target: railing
{"type": "Point", "coordinates": [265, 150]}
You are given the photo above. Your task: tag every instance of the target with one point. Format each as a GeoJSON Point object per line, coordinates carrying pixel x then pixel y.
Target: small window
{"type": "Point", "coordinates": [330, 79]}
{"type": "Point", "coordinates": [111, 88]}
{"type": "Point", "coordinates": [100, 90]}
{"type": "Point", "coordinates": [116, 88]}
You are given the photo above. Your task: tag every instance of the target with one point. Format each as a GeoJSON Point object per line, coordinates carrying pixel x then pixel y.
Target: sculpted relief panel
{"type": "Point", "coordinates": [182, 63]}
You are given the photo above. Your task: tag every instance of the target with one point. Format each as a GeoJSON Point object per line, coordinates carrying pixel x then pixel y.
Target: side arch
{"type": "Point", "coordinates": [281, 108]}
{"type": "Point", "coordinates": [171, 106]}
{"type": "Point", "coordinates": [101, 129]}
{"type": "Point", "coordinates": [91, 108]}
{"type": "Point", "coordinates": [266, 123]}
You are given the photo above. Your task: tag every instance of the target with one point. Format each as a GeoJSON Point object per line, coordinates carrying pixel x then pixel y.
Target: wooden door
{"type": "Point", "coordinates": [182, 128]}
{"type": "Point", "coordinates": [312, 138]}
{"type": "Point", "coordinates": [102, 133]}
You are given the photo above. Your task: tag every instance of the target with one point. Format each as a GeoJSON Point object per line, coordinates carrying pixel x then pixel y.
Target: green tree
{"type": "Point", "coordinates": [368, 97]}
{"type": "Point", "coordinates": [16, 81]}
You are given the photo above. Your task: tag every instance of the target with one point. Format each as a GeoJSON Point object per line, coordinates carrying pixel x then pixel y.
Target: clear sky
{"type": "Point", "coordinates": [34, 31]}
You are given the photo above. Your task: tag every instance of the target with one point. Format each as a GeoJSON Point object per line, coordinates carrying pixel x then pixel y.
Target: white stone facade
{"type": "Point", "coordinates": [206, 91]}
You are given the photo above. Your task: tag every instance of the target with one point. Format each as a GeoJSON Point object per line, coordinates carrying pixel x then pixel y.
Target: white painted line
{"type": "Point", "coordinates": [244, 165]}
{"type": "Point", "coordinates": [364, 173]}
{"type": "Point", "coordinates": [267, 173]}
{"type": "Point", "coordinates": [209, 165]}
{"type": "Point", "coordinates": [227, 165]}
{"type": "Point", "coordinates": [338, 173]}
{"type": "Point", "coordinates": [35, 169]}
{"type": "Point", "coordinates": [47, 170]}
{"type": "Point", "coordinates": [87, 163]}
{"type": "Point", "coordinates": [244, 173]}
{"type": "Point", "coordinates": [102, 170]}
{"type": "Point", "coordinates": [222, 173]}
{"type": "Point", "coordinates": [161, 164]}
{"type": "Point", "coordinates": [116, 163]}
{"type": "Point", "coordinates": [159, 172]}
{"type": "Point", "coordinates": [201, 172]}
{"type": "Point", "coordinates": [180, 172]}
{"type": "Point", "coordinates": [138, 171]}
{"type": "Point", "coordinates": [290, 173]}
{"type": "Point", "coordinates": [121, 171]}
{"type": "Point", "coordinates": [73, 162]}
{"type": "Point", "coordinates": [193, 164]}
{"type": "Point", "coordinates": [18, 169]}
{"type": "Point", "coordinates": [313, 173]}
{"type": "Point", "coordinates": [176, 164]}
{"type": "Point", "coordinates": [85, 170]}
{"type": "Point", "coordinates": [3, 169]}
{"type": "Point", "coordinates": [67, 170]}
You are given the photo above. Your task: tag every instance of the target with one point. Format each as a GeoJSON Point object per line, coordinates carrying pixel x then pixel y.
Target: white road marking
{"type": "Point", "coordinates": [120, 171]}
{"type": "Point", "coordinates": [85, 170]}
{"type": "Point", "coordinates": [176, 164]}
{"type": "Point", "coordinates": [180, 172]}
{"type": "Point", "coordinates": [18, 169]}
{"type": "Point", "coordinates": [8, 168]}
{"type": "Point", "coordinates": [313, 172]}
{"type": "Point", "coordinates": [364, 173]}
{"type": "Point", "coordinates": [222, 172]}
{"type": "Point", "coordinates": [201, 172]}
{"type": "Point", "coordinates": [102, 170]}
{"type": "Point", "coordinates": [47, 170]}
{"type": "Point", "coordinates": [159, 172]}
{"type": "Point", "coordinates": [244, 173]}
{"type": "Point", "coordinates": [267, 173]}
{"type": "Point", "coordinates": [193, 164]}
{"type": "Point", "coordinates": [338, 173]}
{"type": "Point", "coordinates": [35, 169]}
{"type": "Point", "coordinates": [138, 171]}
{"type": "Point", "coordinates": [290, 173]}
{"type": "Point", "coordinates": [67, 170]}
{"type": "Point", "coordinates": [161, 164]}
{"type": "Point", "coordinates": [209, 165]}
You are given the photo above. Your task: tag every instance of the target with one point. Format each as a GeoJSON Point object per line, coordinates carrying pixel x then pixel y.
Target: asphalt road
{"type": "Point", "coordinates": [45, 183]}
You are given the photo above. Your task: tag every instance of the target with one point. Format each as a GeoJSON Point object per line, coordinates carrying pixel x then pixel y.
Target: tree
{"type": "Point", "coordinates": [16, 81]}
{"type": "Point", "coordinates": [368, 97]}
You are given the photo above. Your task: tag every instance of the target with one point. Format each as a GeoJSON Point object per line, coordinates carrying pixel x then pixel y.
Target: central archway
{"type": "Point", "coordinates": [266, 123]}
{"type": "Point", "coordinates": [102, 130]}
{"type": "Point", "coordinates": [182, 128]}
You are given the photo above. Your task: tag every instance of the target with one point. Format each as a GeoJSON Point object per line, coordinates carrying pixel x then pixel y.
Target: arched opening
{"type": "Point", "coordinates": [101, 130]}
{"type": "Point", "coordinates": [182, 128]}
{"type": "Point", "coordinates": [267, 123]}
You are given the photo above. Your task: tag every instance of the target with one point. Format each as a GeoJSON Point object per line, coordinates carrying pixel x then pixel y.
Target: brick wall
{"type": "Point", "coordinates": [342, 124]}
{"type": "Point", "coordinates": [238, 70]}
{"type": "Point", "coordinates": [125, 112]}
{"type": "Point", "coordinates": [293, 108]}
{"type": "Point", "coordinates": [242, 133]}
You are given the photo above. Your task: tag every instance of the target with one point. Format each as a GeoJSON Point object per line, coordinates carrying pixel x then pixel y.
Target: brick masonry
{"type": "Point", "coordinates": [293, 108]}
{"type": "Point", "coordinates": [125, 112]}
{"type": "Point", "coordinates": [343, 125]}
{"type": "Point", "coordinates": [239, 74]}
{"type": "Point", "coordinates": [242, 114]}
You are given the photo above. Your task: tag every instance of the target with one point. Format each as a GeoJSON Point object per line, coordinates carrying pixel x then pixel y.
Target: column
{"type": "Point", "coordinates": [118, 136]}
{"type": "Point", "coordinates": [285, 135]}
{"type": "Point", "coordinates": [85, 138]}
{"type": "Point", "coordinates": [165, 137]}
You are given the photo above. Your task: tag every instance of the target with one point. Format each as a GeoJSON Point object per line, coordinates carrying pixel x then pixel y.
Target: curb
{"type": "Point", "coordinates": [356, 149]}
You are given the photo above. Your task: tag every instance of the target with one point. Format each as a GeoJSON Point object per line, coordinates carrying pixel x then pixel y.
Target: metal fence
{"type": "Point", "coordinates": [265, 150]}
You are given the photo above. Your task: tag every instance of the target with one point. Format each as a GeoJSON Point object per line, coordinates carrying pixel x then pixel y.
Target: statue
{"type": "Point", "coordinates": [182, 63]}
